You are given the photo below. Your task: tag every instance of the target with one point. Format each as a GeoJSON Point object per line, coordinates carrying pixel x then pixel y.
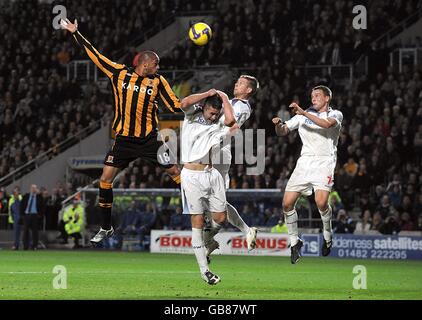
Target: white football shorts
{"type": "Point", "coordinates": [312, 172]}
{"type": "Point", "coordinates": [202, 191]}
{"type": "Point", "coordinates": [224, 171]}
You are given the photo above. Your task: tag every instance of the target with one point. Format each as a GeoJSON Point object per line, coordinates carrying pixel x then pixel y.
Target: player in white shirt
{"type": "Point", "coordinates": [319, 129]}
{"type": "Point", "coordinates": [202, 186]}
{"type": "Point", "coordinates": [244, 88]}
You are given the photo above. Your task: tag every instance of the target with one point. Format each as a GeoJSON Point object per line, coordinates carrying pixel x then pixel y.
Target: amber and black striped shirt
{"type": "Point", "coordinates": [135, 97]}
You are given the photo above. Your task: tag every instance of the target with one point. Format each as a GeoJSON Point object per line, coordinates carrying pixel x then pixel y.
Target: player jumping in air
{"type": "Point", "coordinates": [244, 88]}
{"type": "Point", "coordinates": [136, 93]}
{"type": "Point", "coordinates": [319, 129]}
{"type": "Point", "coordinates": [202, 186]}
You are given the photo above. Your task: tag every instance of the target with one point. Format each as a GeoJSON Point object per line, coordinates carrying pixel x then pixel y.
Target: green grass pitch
{"type": "Point", "coordinates": [135, 275]}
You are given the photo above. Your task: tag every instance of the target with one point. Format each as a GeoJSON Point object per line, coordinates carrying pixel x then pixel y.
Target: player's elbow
{"type": "Point", "coordinates": [230, 122]}
{"type": "Point", "coordinates": [185, 104]}
{"type": "Point", "coordinates": [329, 124]}
{"type": "Point", "coordinates": [233, 129]}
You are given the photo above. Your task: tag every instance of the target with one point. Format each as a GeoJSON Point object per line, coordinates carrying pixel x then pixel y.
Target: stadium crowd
{"type": "Point", "coordinates": [379, 151]}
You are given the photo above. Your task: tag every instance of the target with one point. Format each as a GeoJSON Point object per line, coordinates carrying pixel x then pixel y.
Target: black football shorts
{"type": "Point", "coordinates": [128, 149]}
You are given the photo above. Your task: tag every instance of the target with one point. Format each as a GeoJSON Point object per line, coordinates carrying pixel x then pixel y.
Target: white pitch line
{"type": "Point", "coordinates": [96, 272]}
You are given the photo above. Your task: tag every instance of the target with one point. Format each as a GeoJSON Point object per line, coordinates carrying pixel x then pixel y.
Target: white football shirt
{"type": "Point", "coordinates": [242, 112]}
{"type": "Point", "coordinates": [317, 141]}
{"type": "Point", "coordinates": [197, 138]}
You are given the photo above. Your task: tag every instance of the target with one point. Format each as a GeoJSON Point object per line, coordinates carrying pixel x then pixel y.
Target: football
{"type": "Point", "coordinates": [200, 33]}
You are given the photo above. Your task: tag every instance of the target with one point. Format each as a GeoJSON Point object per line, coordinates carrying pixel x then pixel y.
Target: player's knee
{"type": "Point", "coordinates": [322, 205]}
{"type": "Point", "coordinates": [288, 206]}
{"type": "Point", "coordinates": [106, 178]}
{"type": "Point", "coordinates": [219, 218]}
{"type": "Point", "coordinates": [197, 221]}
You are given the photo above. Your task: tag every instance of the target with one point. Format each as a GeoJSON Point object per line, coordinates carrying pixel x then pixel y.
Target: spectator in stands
{"type": "Point", "coordinates": [74, 222]}
{"type": "Point", "coordinates": [377, 221]}
{"type": "Point", "coordinates": [176, 220]}
{"type": "Point", "coordinates": [364, 224]}
{"type": "Point", "coordinates": [147, 221]}
{"type": "Point", "coordinates": [344, 223]}
{"type": "Point", "coordinates": [417, 208]}
{"type": "Point", "coordinates": [3, 203]}
{"type": "Point", "coordinates": [394, 193]}
{"type": "Point", "coordinates": [419, 223]}
{"type": "Point", "coordinates": [406, 223]}
{"type": "Point", "coordinates": [273, 219]}
{"type": "Point", "coordinates": [131, 220]}
{"type": "Point", "coordinates": [31, 211]}
{"type": "Point", "coordinates": [280, 227]}
{"type": "Point", "coordinates": [15, 217]}
{"type": "Point", "coordinates": [391, 224]}
{"type": "Point", "coordinates": [335, 202]}
{"type": "Point", "coordinates": [384, 207]}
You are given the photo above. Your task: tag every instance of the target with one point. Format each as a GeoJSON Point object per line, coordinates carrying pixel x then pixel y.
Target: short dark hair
{"type": "Point", "coordinates": [214, 101]}
{"type": "Point", "coordinates": [327, 91]}
{"type": "Point", "coordinates": [253, 83]}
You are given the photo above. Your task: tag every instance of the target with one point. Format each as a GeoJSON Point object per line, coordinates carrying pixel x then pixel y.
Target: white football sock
{"type": "Point", "coordinates": [326, 223]}
{"type": "Point", "coordinates": [199, 249]}
{"type": "Point", "coordinates": [291, 223]}
{"type": "Point", "coordinates": [235, 219]}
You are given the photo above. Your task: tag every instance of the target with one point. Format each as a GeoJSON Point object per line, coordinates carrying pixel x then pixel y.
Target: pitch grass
{"type": "Point", "coordinates": [135, 275]}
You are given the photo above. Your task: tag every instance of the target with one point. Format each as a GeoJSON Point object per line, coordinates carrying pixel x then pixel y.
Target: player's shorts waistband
{"type": "Point", "coordinates": [205, 170]}
{"type": "Point", "coordinates": [317, 156]}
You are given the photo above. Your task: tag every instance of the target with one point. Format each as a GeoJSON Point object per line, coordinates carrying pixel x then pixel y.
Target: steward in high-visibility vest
{"type": "Point", "coordinates": [280, 227]}
{"type": "Point", "coordinates": [73, 218]}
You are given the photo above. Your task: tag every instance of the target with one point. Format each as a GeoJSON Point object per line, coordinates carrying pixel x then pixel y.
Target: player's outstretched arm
{"type": "Point", "coordinates": [104, 64]}
{"type": "Point", "coordinates": [195, 98]}
{"type": "Point", "coordinates": [229, 119]}
{"type": "Point", "coordinates": [323, 123]}
{"type": "Point", "coordinates": [280, 127]}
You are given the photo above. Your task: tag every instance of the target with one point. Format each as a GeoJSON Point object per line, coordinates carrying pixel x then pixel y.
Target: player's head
{"type": "Point", "coordinates": [212, 108]}
{"type": "Point", "coordinates": [146, 62]}
{"type": "Point", "coordinates": [321, 97]}
{"type": "Point", "coordinates": [245, 87]}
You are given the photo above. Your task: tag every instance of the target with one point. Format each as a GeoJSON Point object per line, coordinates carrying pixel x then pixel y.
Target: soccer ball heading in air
{"type": "Point", "coordinates": [200, 33]}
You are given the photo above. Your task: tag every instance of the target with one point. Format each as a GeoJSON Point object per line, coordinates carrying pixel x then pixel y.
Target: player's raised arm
{"type": "Point", "coordinates": [106, 65]}
{"type": "Point", "coordinates": [323, 123]}
{"type": "Point", "coordinates": [281, 128]}
{"type": "Point", "coordinates": [229, 119]}
{"type": "Point", "coordinates": [195, 98]}
{"type": "Point", "coordinates": [166, 94]}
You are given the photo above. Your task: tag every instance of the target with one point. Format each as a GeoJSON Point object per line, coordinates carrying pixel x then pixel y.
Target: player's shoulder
{"type": "Point", "coordinates": [334, 112]}
{"type": "Point", "coordinates": [157, 76]}
{"type": "Point", "coordinates": [243, 104]}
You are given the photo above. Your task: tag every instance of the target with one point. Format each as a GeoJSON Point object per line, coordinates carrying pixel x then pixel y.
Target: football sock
{"type": "Point", "coordinates": [235, 219]}
{"type": "Point", "coordinates": [326, 223]}
{"type": "Point", "coordinates": [176, 178]}
{"type": "Point", "coordinates": [105, 203]}
{"type": "Point", "coordinates": [199, 249]}
{"type": "Point", "coordinates": [291, 223]}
